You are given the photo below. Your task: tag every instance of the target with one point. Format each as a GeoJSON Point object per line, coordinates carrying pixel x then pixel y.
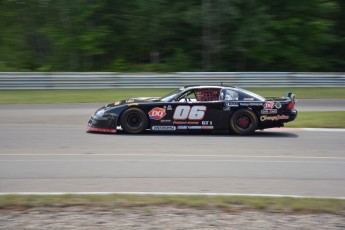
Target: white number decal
{"type": "Point", "coordinates": [197, 113]}
{"type": "Point", "coordinates": [182, 112]}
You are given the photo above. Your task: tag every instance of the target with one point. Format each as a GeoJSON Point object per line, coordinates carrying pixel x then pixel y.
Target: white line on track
{"type": "Point", "coordinates": [166, 155]}
{"type": "Point", "coordinates": [305, 129]}
{"type": "Point", "coordinates": [165, 194]}
{"type": "Point", "coordinates": [184, 161]}
{"type": "Point", "coordinates": [323, 130]}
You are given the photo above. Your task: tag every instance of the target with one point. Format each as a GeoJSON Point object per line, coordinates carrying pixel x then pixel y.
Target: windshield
{"type": "Point", "coordinates": [171, 95]}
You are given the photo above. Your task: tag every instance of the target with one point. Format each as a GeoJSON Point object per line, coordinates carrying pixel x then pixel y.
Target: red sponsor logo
{"type": "Point", "coordinates": [269, 105]}
{"type": "Point", "coordinates": [157, 113]}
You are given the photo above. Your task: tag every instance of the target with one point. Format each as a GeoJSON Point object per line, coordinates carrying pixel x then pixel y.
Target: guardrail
{"type": "Point", "coordinates": [104, 80]}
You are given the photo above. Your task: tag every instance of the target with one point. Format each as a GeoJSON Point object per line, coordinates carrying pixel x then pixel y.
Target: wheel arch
{"type": "Point", "coordinates": [250, 113]}
{"type": "Point", "coordinates": [121, 114]}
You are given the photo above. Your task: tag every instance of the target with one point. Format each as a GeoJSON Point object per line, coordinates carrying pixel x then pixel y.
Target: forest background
{"type": "Point", "coordinates": [171, 36]}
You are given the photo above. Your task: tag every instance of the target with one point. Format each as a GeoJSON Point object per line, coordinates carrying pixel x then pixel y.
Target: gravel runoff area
{"type": "Point", "coordinates": [80, 217]}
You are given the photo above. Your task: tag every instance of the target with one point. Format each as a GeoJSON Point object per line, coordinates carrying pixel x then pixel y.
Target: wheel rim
{"type": "Point", "coordinates": [134, 120]}
{"type": "Point", "coordinates": [244, 122]}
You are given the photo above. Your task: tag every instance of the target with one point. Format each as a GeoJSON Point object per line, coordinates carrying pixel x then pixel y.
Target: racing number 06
{"type": "Point", "coordinates": [184, 112]}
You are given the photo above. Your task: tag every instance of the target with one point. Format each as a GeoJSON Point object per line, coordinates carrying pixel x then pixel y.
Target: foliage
{"type": "Point", "coordinates": [162, 35]}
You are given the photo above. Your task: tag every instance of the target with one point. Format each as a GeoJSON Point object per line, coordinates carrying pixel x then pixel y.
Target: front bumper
{"type": "Point", "coordinates": [102, 124]}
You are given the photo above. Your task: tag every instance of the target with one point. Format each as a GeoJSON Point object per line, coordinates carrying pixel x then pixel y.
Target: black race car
{"type": "Point", "coordinates": [196, 108]}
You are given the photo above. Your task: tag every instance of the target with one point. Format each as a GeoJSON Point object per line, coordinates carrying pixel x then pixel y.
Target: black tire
{"type": "Point", "coordinates": [134, 120]}
{"type": "Point", "coordinates": [243, 122]}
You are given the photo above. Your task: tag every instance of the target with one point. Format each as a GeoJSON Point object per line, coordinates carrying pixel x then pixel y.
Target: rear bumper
{"type": "Point", "coordinates": [273, 121]}
{"type": "Point", "coordinates": [102, 124]}
{"type": "Point", "coordinates": [292, 114]}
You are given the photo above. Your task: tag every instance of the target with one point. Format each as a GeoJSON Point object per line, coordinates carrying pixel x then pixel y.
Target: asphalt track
{"type": "Point", "coordinates": [44, 148]}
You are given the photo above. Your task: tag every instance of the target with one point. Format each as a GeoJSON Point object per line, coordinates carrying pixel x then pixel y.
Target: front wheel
{"type": "Point", "coordinates": [243, 122]}
{"type": "Point", "coordinates": [134, 120]}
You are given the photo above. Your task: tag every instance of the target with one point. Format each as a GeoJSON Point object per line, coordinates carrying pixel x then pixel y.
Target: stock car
{"type": "Point", "coordinates": [196, 108]}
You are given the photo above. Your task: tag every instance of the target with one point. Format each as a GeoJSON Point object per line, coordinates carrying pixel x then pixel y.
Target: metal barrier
{"type": "Point", "coordinates": [113, 80]}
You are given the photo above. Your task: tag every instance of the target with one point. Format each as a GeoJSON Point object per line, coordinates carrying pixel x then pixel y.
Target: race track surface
{"type": "Point", "coordinates": [44, 148]}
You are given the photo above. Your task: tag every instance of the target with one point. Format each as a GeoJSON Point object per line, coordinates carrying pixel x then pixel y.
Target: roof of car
{"type": "Point", "coordinates": [207, 86]}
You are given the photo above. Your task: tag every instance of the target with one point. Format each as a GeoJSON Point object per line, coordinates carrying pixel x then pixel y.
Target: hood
{"type": "Point", "coordinates": [135, 100]}
{"type": "Point", "coordinates": [129, 101]}
{"type": "Point", "coordinates": [141, 99]}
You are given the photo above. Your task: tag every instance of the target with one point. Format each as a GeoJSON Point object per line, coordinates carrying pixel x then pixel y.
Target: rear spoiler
{"type": "Point", "coordinates": [290, 96]}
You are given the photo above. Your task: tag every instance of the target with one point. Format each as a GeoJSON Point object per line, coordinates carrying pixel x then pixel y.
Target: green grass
{"type": "Point", "coordinates": [226, 203]}
{"type": "Point", "coordinates": [75, 96]}
{"type": "Point", "coordinates": [110, 95]}
{"type": "Point", "coordinates": [334, 119]}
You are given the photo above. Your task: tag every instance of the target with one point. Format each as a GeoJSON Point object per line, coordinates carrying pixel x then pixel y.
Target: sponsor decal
{"type": "Point", "coordinates": [248, 99]}
{"type": "Point", "coordinates": [157, 113]}
{"type": "Point", "coordinates": [274, 118]}
{"type": "Point", "coordinates": [228, 105]}
{"type": "Point", "coordinates": [206, 122]}
{"type": "Point", "coordinates": [129, 101]}
{"type": "Point", "coordinates": [169, 107]}
{"type": "Point", "coordinates": [207, 127]}
{"type": "Point", "coordinates": [194, 127]}
{"type": "Point", "coordinates": [165, 121]}
{"type": "Point", "coordinates": [269, 105]}
{"type": "Point", "coordinates": [163, 128]}
{"type": "Point", "coordinates": [231, 104]}
{"type": "Point", "coordinates": [278, 105]}
{"type": "Point", "coordinates": [272, 111]}
{"type": "Point", "coordinates": [252, 104]}
{"type": "Point", "coordinates": [180, 122]}
{"type": "Point", "coordinates": [184, 127]}
{"type": "Point", "coordinates": [186, 122]}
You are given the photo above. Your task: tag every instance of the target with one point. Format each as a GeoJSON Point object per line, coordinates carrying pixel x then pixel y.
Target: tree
{"type": "Point", "coordinates": [162, 35]}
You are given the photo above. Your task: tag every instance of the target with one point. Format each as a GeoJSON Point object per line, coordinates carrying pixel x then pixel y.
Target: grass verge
{"type": "Point", "coordinates": [226, 203]}
{"type": "Point", "coordinates": [110, 95]}
{"type": "Point", "coordinates": [333, 119]}
{"type": "Point", "coordinates": [74, 96]}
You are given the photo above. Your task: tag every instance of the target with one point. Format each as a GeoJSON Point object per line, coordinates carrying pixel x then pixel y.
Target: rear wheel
{"type": "Point", "coordinates": [243, 122]}
{"type": "Point", "coordinates": [134, 120]}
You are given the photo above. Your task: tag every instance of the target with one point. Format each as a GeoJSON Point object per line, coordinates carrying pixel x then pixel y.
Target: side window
{"type": "Point", "coordinates": [191, 96]}
{"type": "Point", "coordinates": [187, 97]}
{"type": "Point", "coordinates": [207, 94]}
{"type": "Point", "coordinates": [229, 95]}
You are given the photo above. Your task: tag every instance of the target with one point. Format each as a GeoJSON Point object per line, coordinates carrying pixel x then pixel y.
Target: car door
{"type": "Point", "coordinates": [199, 109]}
